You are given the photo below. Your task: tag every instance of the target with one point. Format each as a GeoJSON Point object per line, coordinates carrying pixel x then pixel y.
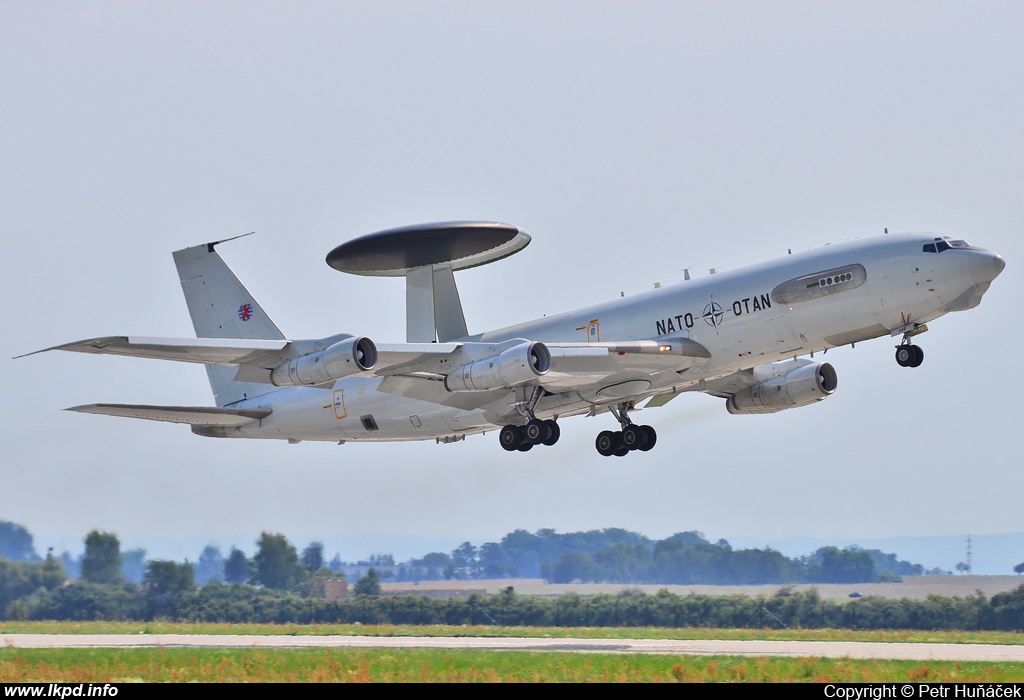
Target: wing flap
{"type": "Point", "coordinates": [661, 399]}
{"type": "Point", "coordinates": [191, 415]}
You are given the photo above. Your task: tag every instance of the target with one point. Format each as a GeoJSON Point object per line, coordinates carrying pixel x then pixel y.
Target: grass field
{"type": "Point", "coordinates": [434, 665]}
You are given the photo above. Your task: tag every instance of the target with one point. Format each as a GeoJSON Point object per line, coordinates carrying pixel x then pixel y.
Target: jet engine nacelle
{"type": "Point", "coordinates": [807, 383]}
{"type": "Point", "coordinates": [517, 365]}
{"type": "Point", "coordinates": [344, 358]}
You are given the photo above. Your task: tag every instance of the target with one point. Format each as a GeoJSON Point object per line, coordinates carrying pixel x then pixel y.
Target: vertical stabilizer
{"type": "Point", "coordinates": [221, 307]}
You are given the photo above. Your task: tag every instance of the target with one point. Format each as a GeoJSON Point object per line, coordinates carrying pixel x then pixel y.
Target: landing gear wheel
{"type": "Point", "coordinates": [652, 437]}
{"type": "Point", "coordinates": [918, 356]}
{"type": "Point", "coordinates": [526, 446]}
{"type": "Point", "coordinates": [536, 431]}
{"type": "Point", "coordinates": [633, 437]}
{"type": "Point", "coordinates": [555, 433]}
{"type": "Point", "coordinates": [620, 447]}
{"type": "Point", "coordinates": [606, 443]}
{"type": "Point", "coordinates": [510, 437]}
{"type": "Point", "coordinates": [904, 355]}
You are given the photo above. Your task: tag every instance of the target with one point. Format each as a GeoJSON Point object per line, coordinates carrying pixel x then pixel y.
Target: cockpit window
{"type": "Point", "coordinates": [945, 243]}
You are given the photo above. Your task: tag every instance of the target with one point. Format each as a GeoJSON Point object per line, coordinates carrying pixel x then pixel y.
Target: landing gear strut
{"type": "Point", "coordinates": [631, 437]}
{"type": "Point", "coordinates": [535, 432]}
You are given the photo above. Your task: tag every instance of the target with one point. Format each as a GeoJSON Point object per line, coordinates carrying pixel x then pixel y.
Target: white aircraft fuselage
{"type": "Point", "coordinates": [749, 319]}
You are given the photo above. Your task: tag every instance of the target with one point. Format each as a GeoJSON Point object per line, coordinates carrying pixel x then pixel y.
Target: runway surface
{"type": "Point", "coordinates": [853, 650]}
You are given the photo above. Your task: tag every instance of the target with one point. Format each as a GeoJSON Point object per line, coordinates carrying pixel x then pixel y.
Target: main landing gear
{"type": "Point", "coordinates": [631, 437]}
{"type": "Point", "coordinates": [524, 437]}
{"type": "Point", "coordinates": [535, 432]}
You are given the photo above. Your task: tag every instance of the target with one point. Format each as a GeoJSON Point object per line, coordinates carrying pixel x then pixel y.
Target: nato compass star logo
{"type": "Point", "coordinates": [245, 312]}
{"type": "Point", "coordinates": [713, 315]}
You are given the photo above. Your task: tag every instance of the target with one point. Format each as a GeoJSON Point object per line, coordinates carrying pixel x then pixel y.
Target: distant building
{"type": "Point", "coordinates": [335, 588]}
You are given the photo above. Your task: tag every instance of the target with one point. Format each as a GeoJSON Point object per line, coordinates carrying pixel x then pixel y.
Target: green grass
{"type": "Point", "coordinates": [935, 637]}
{"type": "Point", "coordinates": [440, 665]}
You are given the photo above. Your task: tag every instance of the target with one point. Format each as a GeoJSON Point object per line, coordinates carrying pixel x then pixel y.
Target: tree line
{"type": "Point", "coordinates": [615, 555]}
{"type": "Point", "coordinates": [611, 555]}
{"type": "Point", "coordinates": [173, 595]}
{"type": "Point", "coordinates": [281, 586]}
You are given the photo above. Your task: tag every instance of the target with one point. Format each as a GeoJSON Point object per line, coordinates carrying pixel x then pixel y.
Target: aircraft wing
{"type": "Point", "coordinates": [411, 358]}
{"type": "Point", "coordinates": [191, 415]}
{"type": "Point", "coordinates": [576, 366]}
{"type": "Point", "coordinates": [586, 367]}
{"type": "Point", "coordinates": [416, 370]}
{"type": "Point", "coordinates": [599, 359]}
{"type": "Point", "coordinates": [207, 351]}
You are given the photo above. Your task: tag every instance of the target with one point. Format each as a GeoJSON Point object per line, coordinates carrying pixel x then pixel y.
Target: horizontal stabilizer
{"type": "Point", "coordinates": [207, 351]}
{"type": "Point", "coordinates": [190, 415]}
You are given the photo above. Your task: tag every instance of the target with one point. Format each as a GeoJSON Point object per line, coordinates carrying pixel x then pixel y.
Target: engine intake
{"type": "Point", "coordinates": [804, 385]}
{"type": "Point", "coordinates": [517, 365]}
{"type": "Point", "coordinates": [344, 358]}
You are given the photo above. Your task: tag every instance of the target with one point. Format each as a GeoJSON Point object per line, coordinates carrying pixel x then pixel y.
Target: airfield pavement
{"type": "Point", "coordinates": [703, 647]}
{"type": "Point", "coordinates": [917, 587]}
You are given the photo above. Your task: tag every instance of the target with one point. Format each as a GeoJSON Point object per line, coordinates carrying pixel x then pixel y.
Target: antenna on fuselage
{"type": "Point", "coordinates": [686, 273]}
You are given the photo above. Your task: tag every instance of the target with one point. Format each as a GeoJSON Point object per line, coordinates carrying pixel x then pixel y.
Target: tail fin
{"type": "Point", "coordinates": [221, 307]}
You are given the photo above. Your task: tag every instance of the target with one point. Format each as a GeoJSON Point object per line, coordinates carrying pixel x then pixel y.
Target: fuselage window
{"type": "Point", "coordinates": [929, 248]}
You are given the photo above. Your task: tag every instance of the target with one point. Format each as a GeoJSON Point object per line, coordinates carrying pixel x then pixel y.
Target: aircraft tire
{"type": "Point", "coordinates": [633, 437]}
{"type": "Point", "coordinates": [652, 437]}
{"type": "Point", "coordinates": [510, 437]}
{"type": "Point", "coordinates": [918, 356]}
{"type": "Point", "coordinates": [536, 431]}
{"type": "Point", "coordinates": [526, 446]}
{"type": "Point", "coordinates": [606, 443]}
{"type": "Point", "coordinates": [904, 355]}
{"type": "Point", "coordinates": [554, 434]}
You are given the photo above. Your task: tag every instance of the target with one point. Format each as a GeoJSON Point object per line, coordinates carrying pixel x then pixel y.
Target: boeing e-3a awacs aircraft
{"type": "Point", "coordinates": [742, 335]}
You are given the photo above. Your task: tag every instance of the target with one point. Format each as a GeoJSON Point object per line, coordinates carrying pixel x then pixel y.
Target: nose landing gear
{"type": "Point", "coordinates": [908, 354]}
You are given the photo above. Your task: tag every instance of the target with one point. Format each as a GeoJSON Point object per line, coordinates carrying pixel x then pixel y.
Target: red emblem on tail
{"type": "Point", "coordinates": [245, 312]}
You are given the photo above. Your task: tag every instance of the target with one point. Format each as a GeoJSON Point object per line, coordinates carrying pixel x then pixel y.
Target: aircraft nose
{"type": "Point", "coordinates": [999, 264]}
{"type": "Point", "coordinates": [987, 266]}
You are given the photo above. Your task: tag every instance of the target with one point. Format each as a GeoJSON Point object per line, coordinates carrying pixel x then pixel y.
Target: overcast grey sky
{"type": "Point", "coordinates": [630, 139]}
